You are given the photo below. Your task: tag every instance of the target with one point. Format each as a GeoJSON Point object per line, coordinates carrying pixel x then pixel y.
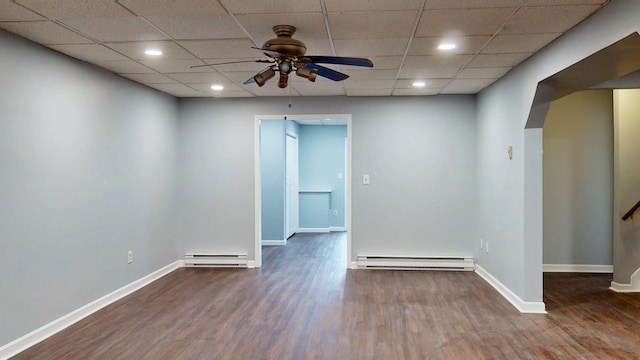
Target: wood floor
{"type": "Point", "coordinates": [303, 304]}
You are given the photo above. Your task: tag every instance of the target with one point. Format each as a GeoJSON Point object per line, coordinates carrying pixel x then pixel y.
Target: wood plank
{"type": "Point", "coordinates": [304, 304]}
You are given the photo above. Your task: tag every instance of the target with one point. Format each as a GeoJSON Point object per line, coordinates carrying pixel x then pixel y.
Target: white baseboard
{"type": "Point", "coordinates": [50, 329]}
{"type": "Point", "coordinates": [274, 242]}
{"type": "Point", "coordinates": [353, 265]}
{"type": "Point", "coordinates": [313, 230]}
{"type": "Point", "coordinates": [633, 286]}
{"type": "Point", "coordinates": [251, 264]}
{"type": "Point", "coordinates": [528, 307]}
{"type": "Point", "coordinates": [578, 268]}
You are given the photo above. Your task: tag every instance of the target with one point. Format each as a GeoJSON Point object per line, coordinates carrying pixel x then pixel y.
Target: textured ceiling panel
{"type": "Point", "coordinates": [458, 22]}
{"type": "Point", "coordinates": [366, 25]}
{"type": "Point", "coordinates": [400, 37]}
{"type": "Point", "coordinates": [45, 32]}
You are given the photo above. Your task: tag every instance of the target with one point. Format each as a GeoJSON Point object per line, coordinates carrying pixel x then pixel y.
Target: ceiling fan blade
{"type": "Point", "coordinates": [326, 72]}
{"type": "Point", "coordinates": [270, 53]}
{"type": "Point", "coordinates": [234, 62]}
{"type": "Point", "coordinates": [338, 60]}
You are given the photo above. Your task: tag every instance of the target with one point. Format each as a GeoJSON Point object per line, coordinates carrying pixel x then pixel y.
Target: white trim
{"type": "Point", "coordinates": [633, 286]}
{"type": "Point", "coordinates": [337, 228]}
{"type": "Point", "coordinates": [50, 329]}
{"type": "Point", "coordinates": [274, 242]}
{"type": "Point", "coordinates": [251, 264]}
{"type": "Point", "coordinates": [257, 197]}
{"type": "Point", "coordinates": [528, 307]}
{"type": "Point", "coordinates": [577, 268]}
{"type": "Point", "coordinates": [313, 230]}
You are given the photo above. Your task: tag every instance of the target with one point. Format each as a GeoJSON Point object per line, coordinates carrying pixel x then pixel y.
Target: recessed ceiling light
{"type": "Point", "coordinates": [217, 87]}
{"type": "Point", "coordinates": [446, 46]}
{"type": "Point", "coordinates": [419, 83]}
{"type": "Point", "coordinates": [153, 52]}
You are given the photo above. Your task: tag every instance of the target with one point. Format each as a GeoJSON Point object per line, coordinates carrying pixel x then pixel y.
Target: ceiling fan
{"type": "Point", "coordinates": [287, 55]}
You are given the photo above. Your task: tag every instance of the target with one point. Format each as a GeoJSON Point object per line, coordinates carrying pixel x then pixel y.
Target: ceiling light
{"type": "Point", "coordinates": [447, 46]}
{"type": "Point", "coordinates": [419, 84]}
{"type": "Point", "coordinates": [153, 52]}
{"type": "Point", "coordinates": [217, 87]}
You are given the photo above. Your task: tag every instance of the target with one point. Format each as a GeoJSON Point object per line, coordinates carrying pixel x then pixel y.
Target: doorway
{"type": "Point", "coordinates": [274, 224]}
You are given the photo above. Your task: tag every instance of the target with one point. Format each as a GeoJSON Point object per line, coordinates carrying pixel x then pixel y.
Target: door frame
{"type": "Point", "coordinates": [289, 228]}
{"type": "Point", "coordinates": [258, 179]}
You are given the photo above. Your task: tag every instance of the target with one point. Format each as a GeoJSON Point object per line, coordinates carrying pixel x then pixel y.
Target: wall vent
{"type": "Point", "coordinates": [460, 263]}
{"type": "Point", "coordinates": [215, 260]}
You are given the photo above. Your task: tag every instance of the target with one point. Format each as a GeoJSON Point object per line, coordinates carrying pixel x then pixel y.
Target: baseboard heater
{"type": "Point", "coordinates": [460, 263]}
{"type": "Point", "coordinates": [215, 260]}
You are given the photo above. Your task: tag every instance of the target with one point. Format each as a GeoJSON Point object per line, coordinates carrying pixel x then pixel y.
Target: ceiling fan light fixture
{"type": "Point", "coordinates": [285, 67]}
{"type": "Point", "coordinates": [310, 74]}
{"type": "Point", "coordinates": [263, 77]}
{"type": "Point", "coordinates": [283, 81]}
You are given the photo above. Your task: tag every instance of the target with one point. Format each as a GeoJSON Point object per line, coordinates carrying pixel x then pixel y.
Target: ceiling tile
{"type": "Point", "coordinates": [498, 60]}
{"type": "Point", "coordinates": [194, 27]}
{"type": "Point", "coordinates": [504, 44]}
{"type": "Point", "coordinates": [563, 2]}
{"type": "Point", "coordinates": [483, 73]}
{"type": "Point", "coordinates": [260, 26]}
{"type": "Point", "coordinates": [135, 50]}
{"type": "Point", "coordinates": [464, 45]}
{"type": "Point", "coordinates": [426, 67]}
{"type": "Point", "coordinates": [371, 47]}
{"type": "Point", "coordinates": [415, 92]}
{"type": "Point", "coordinates": [466, 86]}
{"type": "Point", "coordinates": [89, 52]}
{"type": "Point", "coordinates": [221, 49]}
{"type": "Point", "coordinates": [552, 19]}
{"type": "Point", "coordinates": [206, 88]}
{"type": "Point", "coordinates": [241, 76]}
{"type": "Point", "coordinates": [270, 89]}
{"type": "Point", "coordinates": [125, 28]}
{"type": "Point", "coordinates": [271, 6]}
{"type": "Point", "coordinates": [200, 78]}
{"type": "Point", "coordinates": [13, 12]}
{"type": "Point", "coordinates": [368, 92]}
{"type": "Point", "coordinates": [386, 62]}
{"type": "Point", "coordinates": [471, 4]}
{"type": "Point", "coordinates": [124, 67]}
{"type": "Point", "coordinates": [178, 90]}
{"type": "Point", "coordinates": [366, 25]}
{"type": "Point", "coordinates": [175, 66]}
{"type": "Point", "coordinates": [45, 32]}
{"type": "Point", "coordinates": [466, 21]}
{"type": "Point", "coordinates": [372, 5]}
{"type": "Point", "coordinates": [154, 78]}
{"type": "Point", "coordinates": [368, 84]}
{"type": "Point", "coordinates": [369, 74]}
{"type": "Point", "coordinates": [172, 7]}
{"type": "Point", "coordinates": [68, 9]}
{"type": "Point", "coordinates": [430, 84]}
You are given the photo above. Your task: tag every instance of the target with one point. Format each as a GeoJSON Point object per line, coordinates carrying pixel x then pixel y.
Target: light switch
{"type": "Point", "coordinates": [365, 179]}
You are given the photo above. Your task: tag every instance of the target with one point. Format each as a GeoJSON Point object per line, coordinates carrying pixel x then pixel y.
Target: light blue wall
{"type": "Point", "coordinates": [86, 173]}
{"type": "Point", "coordinates": [322, 157]}
{"type": "Point", "coordinates": [272, 172]}
{"type": "Point", "coordinates": [510, 191]}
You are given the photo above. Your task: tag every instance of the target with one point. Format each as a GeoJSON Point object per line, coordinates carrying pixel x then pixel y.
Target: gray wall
{"type": "Point", "coordinates": [418, 151]}
{"type": "Point", "coordinates": [86, 174]}
{"type": "Point", "coordinates": [627, 184]}
{"type": "Point", "coordinates": [578, 179]}
{"type": "Point", "coordinates": [510, 192]}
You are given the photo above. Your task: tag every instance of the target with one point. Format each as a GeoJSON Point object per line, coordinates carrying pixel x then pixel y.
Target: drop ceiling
{"type": "Point", "coordinates": [401, 37]}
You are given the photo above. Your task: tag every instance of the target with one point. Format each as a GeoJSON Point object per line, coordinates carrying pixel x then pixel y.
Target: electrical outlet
{"type": "Point", "coordinates": [130, 257]}
{"type": "Point", "coordinates": [486, 247]}
{"type": "Point", "coordinates": [335, 212]}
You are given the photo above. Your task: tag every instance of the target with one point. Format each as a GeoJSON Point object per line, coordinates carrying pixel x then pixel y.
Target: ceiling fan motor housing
{"type": "Point", "coordinates": [284, 43]}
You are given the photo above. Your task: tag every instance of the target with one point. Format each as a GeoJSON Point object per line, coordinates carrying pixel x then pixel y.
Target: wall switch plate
{"type": "Point", "coordinates": [481, 244]}
{"type": "Point", "coordinates": [335, 212]}
{"type": "Point", "coordinates": [130, 257]}
{"type": "Point", "coordinates": [365, 179]}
